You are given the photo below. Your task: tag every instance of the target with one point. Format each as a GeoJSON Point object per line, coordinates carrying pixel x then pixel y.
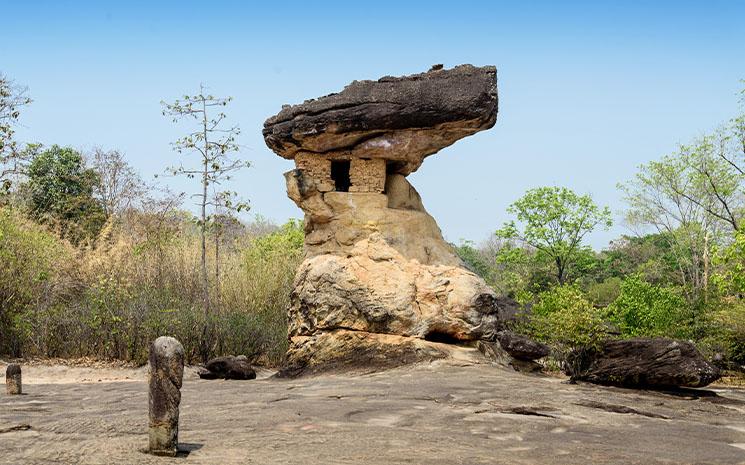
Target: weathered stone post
{"type": "Point", "coordinates": [166, 376]}
{"type": "Point", "coordinates": [13, 379]}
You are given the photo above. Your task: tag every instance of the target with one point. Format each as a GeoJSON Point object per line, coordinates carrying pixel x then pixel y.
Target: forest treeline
{"type": "Point", "coordinates": [97, 262]}
{"type": "Point", "coordinates": [681, 274]}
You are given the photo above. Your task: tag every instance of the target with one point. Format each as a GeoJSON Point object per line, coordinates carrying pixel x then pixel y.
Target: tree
{"type": "Point", "coordinates": [554, 221]}
{"type": "Point", "coordinates": [60, 193]}
{"type": "Point", "coordinates": [214, 144]}
{"type": "Point", "coordinates": [691, 198]}
{"type": "Point", "coordinates": [119, 186]}
{"type": "Point", "coordinates": [12, 99]}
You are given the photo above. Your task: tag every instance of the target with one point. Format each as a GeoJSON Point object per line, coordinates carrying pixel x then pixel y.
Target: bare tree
{"type": "Point", "coordinates": [213, 143]}
{"type": "Point", "coordinates": [119, 186]}
{"type": "Point", "coordinates": [12, 98]}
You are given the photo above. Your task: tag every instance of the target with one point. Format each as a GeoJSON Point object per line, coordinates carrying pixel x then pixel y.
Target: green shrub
{"type": "Point", "coordinates": [564, 318]}
{"type": "Point", "coordinates": [34, 273]}
{"type": "Point", "coordinates": [140, 283]}
{"type": "Point", "coordinates": [725, 331]}
{"type": "Point", "coordinates": [604, 293]}
{"type": "Point", "coordinates": [643, 309]}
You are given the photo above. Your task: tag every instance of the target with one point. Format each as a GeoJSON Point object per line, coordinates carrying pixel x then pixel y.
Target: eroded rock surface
{"type": "Point", "coordinates": [375, 261]}
{"type": "Point", "coordinates": [13, 382]}
{"type": "Point", "coordinates": [165, 378]}
{"type": "Point", "coordinates": [647, 363]}
{"type": "Point", "coordinates": [402, 119]}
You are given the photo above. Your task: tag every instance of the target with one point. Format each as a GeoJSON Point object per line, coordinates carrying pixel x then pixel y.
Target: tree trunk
{"type": "Point", "coordinates": [707, 259]}
{"type": "Point", "coordinates": [560, 271]}
{"type": "Point", "coordinates": [205, 277]}
{"type": "Point", "coordinates": [218, 229]}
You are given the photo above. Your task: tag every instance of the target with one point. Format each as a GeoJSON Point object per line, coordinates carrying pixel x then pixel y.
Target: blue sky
{"type": "Point", "coordinates": [588, 90]}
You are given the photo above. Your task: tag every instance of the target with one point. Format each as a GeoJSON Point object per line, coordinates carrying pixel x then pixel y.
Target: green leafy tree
{"type": "Point", "coordinates": [730, 261]}
{"type": "Point", "coordinates": [563, 318]}
{"type": "Point", "coordinates": [60, 193]}
{"type": "Point", "coordinates": [694, 199]}
{"type": "Point", "coordinates": [474, 259]}
{"type": "Point", "coordinates": [643, 309]}
{"type": "Point", "coordinates": [554, 221]}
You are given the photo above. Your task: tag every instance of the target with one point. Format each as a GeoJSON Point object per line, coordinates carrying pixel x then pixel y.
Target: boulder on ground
{"type": "Point", "coordinates": [522, 347]}
{"type": "Point", "coordinates": [228, 368]}
{"type": "Point", "coordinates": [644, 363]}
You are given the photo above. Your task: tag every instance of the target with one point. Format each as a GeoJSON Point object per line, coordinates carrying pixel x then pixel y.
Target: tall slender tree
{"type": "Point", "coordinates": [554, 222]}
{"type": "Point", "coordinates": [12, 98]}
{"type": "Point", "coordinates": [214, 143]}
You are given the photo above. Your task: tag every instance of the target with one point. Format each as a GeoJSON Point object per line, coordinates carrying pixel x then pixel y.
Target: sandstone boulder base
{"type": "Point", "coordinates": [379, 283]}
{"type": "Point", "coordinates": [229, 367]}
{"type": "Point", "coordinates": [647, 363]}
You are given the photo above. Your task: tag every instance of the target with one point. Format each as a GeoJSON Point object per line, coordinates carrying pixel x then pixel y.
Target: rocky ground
{"type": "Point", "coordinates": [462, 411]}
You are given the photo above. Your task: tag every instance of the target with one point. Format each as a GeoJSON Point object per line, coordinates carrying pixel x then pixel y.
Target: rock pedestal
{"type": "Point", "coordinates": [166, 376]}
{"type": "Point", "coordinates": [378, 278]}
{"type": "Point", "coordinates": [13, 385]}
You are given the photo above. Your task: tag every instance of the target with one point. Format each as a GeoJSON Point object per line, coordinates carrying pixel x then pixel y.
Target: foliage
{"type": "Point", "coordinates": [602, 293]}
{"type": "Point", "coordinates": [35, 267]}
{"type": "Point", "coordinates": [554, 221]}
{"type": "Point", "coordinates": [142, 280]}
{"type": "Point", "coordinates": [60, 193]}
{"type": "Point", "coordinates": [213, 143]}
{"type": "Point", "coordinates": [643, 309]}
{"type": "Point", "coordinates": [730, 277]}
{"type": "Point", "coordinates": [474, 259]}
{"type": "Point", "coordinates": [727, 330]}
{"type": "Point", "coordinates": [563, 318]}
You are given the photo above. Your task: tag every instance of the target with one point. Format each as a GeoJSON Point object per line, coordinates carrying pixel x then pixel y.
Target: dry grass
{"type": "Point", "coordinates": [141, 281]}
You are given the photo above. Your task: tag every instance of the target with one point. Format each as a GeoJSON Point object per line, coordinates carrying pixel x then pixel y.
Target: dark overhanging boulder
{"type": "Point", "coordinates": [396, 118]}
{"type": "Point", "coordinates": [522, 347]}
{"type": "Point", "coordinates": [643, 363]}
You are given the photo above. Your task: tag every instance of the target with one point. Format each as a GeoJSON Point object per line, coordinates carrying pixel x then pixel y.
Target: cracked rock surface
{"type": "Point", "coordinates": [452, 411]}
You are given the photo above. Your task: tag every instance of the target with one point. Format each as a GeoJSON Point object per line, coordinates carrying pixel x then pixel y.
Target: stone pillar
{"type": "Point", "coordinates": [166, 376]}
{"type": "Point", "coordinates": [13, 379]}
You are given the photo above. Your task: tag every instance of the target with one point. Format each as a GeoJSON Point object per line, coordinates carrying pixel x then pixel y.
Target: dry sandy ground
{"type": "Point", "coordinates": [456, 412]}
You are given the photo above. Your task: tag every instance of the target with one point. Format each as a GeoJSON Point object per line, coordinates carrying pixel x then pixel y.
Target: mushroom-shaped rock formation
{"type": "Point", "coordinates": [376, 263]}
